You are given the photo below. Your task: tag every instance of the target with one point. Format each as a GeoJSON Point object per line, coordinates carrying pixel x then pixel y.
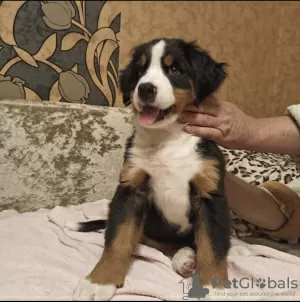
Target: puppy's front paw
{"type": "Point", "coordinates": [87, 291]}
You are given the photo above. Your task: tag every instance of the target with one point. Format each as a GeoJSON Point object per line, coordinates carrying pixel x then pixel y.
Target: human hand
{"type": "Point", "coordinates": [219, 121]}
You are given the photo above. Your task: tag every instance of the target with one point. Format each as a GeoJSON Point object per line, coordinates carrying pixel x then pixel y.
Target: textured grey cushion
{"type": "Point", "coordinates": [58, 153]}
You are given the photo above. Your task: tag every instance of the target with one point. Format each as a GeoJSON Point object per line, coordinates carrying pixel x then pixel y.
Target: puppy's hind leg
{"type": "Point", "coordinates": [184, 262]}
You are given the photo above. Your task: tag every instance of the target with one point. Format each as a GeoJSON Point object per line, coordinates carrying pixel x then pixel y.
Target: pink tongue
{"type": "Point", "coordinates": [149, 115]}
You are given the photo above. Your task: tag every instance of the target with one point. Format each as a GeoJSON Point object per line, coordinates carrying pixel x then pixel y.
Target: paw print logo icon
{"type": "Point", "coordinates": [197, 291]}
{"type": "Point", "coordinates": [261, 283]}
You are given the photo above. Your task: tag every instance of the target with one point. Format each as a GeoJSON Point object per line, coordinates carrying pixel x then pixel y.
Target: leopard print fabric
{"type": "Point", "coordinates": [257, 168]}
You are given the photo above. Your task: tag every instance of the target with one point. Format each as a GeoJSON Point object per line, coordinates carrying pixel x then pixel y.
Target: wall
{"type": "Point", "coordinates": [258, 39]}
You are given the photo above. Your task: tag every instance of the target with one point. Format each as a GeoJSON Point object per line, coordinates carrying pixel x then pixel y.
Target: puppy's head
{"type": "Point", "coordinates": [164, 75]}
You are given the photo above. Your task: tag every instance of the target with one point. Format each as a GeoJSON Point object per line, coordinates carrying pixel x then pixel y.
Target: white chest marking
{"type": "Point", "coordinates": [171, 167]}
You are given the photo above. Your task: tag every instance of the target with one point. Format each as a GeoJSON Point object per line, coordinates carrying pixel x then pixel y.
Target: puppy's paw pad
{"type": "Point", "coordinates": [87, 291]}
{"type": "Point", "coordinates": [184, 262]}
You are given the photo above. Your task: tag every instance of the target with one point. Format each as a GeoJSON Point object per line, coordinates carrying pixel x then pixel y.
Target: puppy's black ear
{"type": "Point", "coordinates": [125, 82]}
{"type": "Point", "coordinates": [128, 77]}
{"type": "Point", "coordinates": [208, 74]}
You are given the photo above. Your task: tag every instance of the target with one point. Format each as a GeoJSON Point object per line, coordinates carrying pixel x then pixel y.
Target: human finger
{"type": "Point", "coordinates": [199, 119]}
{"type": "Point", "coordinates": [209, 133]}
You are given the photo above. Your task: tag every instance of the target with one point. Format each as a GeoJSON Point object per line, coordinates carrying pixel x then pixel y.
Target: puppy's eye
{"type": "Point", "coordinates": [173, 70]}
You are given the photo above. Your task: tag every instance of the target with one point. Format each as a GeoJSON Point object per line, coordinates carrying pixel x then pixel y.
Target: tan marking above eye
{"type": "Point", "coordinates": [142, 61]}
{"type": "Point", "coordinates": [168, 60]}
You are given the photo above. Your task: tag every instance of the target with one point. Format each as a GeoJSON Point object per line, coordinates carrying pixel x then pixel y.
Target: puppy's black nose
{"type": "Point", "coordinates": [147, 92]}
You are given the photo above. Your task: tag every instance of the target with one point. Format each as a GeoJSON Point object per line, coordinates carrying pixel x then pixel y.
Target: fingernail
{"type": "Point", "coordinates": [187, 128]}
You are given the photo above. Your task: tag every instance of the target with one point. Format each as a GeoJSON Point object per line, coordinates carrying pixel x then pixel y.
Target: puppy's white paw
{"type": "Point", "coordinates": [87, 291]}
{"type": "Point", "coordinates": [184, 262]}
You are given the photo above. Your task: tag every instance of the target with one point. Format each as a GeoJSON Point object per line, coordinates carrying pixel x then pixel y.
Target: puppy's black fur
{"type": "Point", "coordinates": [197, 71]}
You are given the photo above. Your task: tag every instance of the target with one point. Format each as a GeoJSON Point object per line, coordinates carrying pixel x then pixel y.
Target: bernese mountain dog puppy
{"type": "Point", "coordinates": [171, 187]}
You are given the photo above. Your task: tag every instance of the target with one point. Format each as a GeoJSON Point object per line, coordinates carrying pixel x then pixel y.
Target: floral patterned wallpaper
{"type": "Point", "coordinates": [62, 51]}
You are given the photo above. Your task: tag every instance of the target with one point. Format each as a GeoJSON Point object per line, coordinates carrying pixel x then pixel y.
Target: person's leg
{"type": "Point", "coordinates": [272, 206]}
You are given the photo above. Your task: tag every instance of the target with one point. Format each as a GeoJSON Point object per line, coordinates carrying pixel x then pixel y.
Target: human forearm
{"type": "Point", "coordinates": [252, 203]}
{"type": "Point", "coordinates": [275, 135]}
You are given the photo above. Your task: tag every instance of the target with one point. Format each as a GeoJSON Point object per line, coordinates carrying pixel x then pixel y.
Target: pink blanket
{"type": "Point", "coordinates": [41, 260]}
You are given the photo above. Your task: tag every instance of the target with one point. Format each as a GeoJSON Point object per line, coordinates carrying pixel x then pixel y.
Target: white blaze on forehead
{"type": "Point", "coordinates": [155, 75]}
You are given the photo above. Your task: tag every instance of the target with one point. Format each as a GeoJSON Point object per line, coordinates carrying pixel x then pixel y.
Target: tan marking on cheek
{"type": "Point", "coordinates": [115, 260]}
{"type": "Point", "coordinates": [207, 179]}
{"type": "Point", "coordinates": [168, 60]}
{"type": "Point", "coordinates": [208, 266]}
{"type": "Point", "coordinates": [132, 176]}
{"type": "Point", "coordinates": [183, 97]}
